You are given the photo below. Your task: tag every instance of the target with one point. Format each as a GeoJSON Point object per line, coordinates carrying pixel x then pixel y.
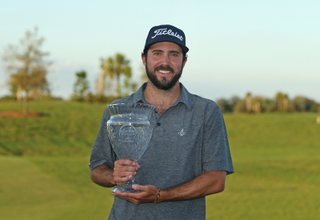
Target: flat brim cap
{"type": "Point", "coordinates": [163, 33]}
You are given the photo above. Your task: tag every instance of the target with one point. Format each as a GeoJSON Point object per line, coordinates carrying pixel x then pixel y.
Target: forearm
{"type": "Point", "coordinates": [103, 176]}
{"type": "Point", "coordinates": [203, 185]}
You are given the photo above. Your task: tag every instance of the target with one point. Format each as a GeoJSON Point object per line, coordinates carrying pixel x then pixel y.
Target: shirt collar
{"type": "Point", "coordinates": [184, 97]}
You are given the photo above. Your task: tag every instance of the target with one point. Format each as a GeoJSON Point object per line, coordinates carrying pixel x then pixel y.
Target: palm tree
{"type": "Point", "coordinates": [256, 104]}
{"type": "Point", "coordinates": [282, 102]}
{"type": "Point", "coordinates": [100, 85]}
{"type": "Point", "coordinates": [115, 68]}
{"type": "Point", "coordinates": [248, 102]}
{"type": "Point", "coordinates": [81, 86]}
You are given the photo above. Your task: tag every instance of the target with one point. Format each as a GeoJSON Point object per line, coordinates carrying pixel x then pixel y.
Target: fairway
{"type": "Point", "coordinates": [50, 188]}
{"type": "Point", "coordinates": [44, 166]}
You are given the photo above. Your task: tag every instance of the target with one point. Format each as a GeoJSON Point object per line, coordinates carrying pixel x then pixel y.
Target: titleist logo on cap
{"type": "Point", "coordinates": [164, 31]}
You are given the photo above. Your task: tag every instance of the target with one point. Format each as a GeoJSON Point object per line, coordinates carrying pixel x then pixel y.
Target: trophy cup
{"type": "Point", "coordinates": [129, 132]}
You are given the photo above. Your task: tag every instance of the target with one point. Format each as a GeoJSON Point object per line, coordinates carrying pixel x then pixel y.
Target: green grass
{"type": "Point", "coordinates": [50, 188]}
{"type": "Point", "coordinates": [277, 164]}
{"type": "Point", "coordinates": [44, 166]}
{"type": "Point", "coordinates": [68, 129]}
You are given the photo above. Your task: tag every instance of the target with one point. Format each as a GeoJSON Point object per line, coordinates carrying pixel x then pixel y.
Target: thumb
{"type": "Point", "coordinates": [137, 187]}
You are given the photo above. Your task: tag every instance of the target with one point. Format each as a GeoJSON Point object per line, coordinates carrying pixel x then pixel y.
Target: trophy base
{"type": "Point", "coordinates": [120, 189]}
{"type": "Point", "coordinates": [125, 187]}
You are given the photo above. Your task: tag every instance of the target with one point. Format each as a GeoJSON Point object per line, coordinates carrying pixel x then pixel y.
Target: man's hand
{"type": "Point", "coordinates": [147, 193]}
{"type": "Point", "coordinates": [205, 184]}
{"type": "Point", "coordinates": [124, 170]}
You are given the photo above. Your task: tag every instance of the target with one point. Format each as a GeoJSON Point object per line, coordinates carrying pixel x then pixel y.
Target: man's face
{"type": "Point", "coordinates": [164, 64]}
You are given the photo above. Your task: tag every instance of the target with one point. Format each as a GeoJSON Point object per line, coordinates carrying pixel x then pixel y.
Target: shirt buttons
{"type": "Point", "coordinates": [158, 123]}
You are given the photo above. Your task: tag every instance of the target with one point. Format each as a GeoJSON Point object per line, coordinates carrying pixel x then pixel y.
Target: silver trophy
{"type": "Point", "coordinates": [129, 132]}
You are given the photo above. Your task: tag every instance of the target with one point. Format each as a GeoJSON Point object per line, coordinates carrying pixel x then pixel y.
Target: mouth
{"type": "Point", "coordinates": [164, 69]}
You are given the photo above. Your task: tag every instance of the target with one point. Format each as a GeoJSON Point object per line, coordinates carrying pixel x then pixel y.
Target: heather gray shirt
{"type": "Point", "coordinates": [189, 138]}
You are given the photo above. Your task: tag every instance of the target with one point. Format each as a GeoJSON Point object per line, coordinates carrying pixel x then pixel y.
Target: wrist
{"type": "Point", "coordinates": [158, 196]}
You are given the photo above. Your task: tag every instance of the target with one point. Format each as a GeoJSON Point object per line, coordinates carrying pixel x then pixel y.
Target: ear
{"type": "Point", "coordinates": [184, 63]}
{"type": "Point", "coordinates": [143, 57]}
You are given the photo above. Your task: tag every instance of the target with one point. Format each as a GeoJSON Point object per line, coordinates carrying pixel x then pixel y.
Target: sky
{"type": "Point", "coordinates": [236, 47]}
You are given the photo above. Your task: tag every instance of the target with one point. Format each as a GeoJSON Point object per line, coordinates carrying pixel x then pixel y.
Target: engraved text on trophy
{"type": "Point", "coordinates": [128, 133]}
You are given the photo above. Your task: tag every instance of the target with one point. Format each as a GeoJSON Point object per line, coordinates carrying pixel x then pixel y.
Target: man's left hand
{"type": "Point", "coordinates": [147, 193]}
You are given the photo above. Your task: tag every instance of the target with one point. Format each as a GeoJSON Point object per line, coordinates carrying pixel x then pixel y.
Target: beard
{"type": "Point", "coordinates": [163, 84]}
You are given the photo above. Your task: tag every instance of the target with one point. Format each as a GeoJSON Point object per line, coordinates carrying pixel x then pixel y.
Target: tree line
{"type": "Point", "coordinates": [258, 104]}
{"type": "Point", "coordinates": [27, 67]}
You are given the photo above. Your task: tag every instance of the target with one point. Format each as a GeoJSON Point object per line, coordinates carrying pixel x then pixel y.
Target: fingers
{"type": "Point", "coordinates": [147, 193]}
{"type": "Point", "coordinates": [139, 187]}
{"type": "Point", "coordinates": [124, 170]}
{"type": "Point", "coordinates": [124, 162]}
{"type": "Point", "coordinates": [120, 179]}
{"type": "Point", "coordinates": [130, 197]}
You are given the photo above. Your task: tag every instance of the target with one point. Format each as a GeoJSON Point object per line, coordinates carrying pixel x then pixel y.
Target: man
{"type": "Point", "coordinates": [188, 156]}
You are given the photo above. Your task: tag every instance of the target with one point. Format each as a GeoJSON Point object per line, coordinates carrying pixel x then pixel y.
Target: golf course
{"type": "Point", "coordinates": [44, 159]}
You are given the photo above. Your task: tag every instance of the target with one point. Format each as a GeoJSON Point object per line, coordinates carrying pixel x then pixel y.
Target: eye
{"type": "Point", "coordinates": [156, 53]}
{"type": "Point", "coordinates": [175, 55]}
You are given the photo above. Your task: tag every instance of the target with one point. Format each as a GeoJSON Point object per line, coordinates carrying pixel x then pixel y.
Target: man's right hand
{"type": "Point", "coordinates": [124, 170]}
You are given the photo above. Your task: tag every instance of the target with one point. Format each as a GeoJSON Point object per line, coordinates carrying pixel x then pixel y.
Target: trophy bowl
{"type": "Point", "coordinates": [129, 132]}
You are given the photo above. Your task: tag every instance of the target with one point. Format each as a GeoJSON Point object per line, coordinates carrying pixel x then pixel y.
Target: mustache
{"type": "Point", "coordinates": [164, 67]}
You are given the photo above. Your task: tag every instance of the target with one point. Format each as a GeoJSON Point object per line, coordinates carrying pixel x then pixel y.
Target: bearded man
{"type": "Point", "coordinates": [188, 156]}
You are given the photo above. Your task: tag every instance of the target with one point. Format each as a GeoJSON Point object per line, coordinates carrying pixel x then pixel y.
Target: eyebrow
{"type": "Point", "coordinates": [171, 51]}
{"type": "Point", "coordinates": [157, 50]}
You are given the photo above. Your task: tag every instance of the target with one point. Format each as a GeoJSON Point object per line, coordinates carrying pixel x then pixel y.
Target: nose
{"type": "Point", "coordinates": [167, 59]}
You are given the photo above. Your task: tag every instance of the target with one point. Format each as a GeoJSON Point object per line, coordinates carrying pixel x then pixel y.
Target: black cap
{"type": "Point", "coordinates": [168, 33]}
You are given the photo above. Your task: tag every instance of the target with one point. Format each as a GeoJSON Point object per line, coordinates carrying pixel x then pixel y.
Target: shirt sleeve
{"type": "Point", "coordinates": [102, 152]}
{"type": "Point", "coordinates": [216, 154]}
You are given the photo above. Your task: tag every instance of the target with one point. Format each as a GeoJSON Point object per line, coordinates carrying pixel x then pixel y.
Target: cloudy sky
{"type": "Point", "coordinates": [262, 47]}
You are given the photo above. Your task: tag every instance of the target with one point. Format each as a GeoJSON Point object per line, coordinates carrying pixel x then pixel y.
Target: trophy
{"type": "Point", "coordinates": [129, 132]}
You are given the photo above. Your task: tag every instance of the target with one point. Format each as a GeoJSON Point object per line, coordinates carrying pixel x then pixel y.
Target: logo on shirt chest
{"type": "Point", "coordinates": [181, 133]}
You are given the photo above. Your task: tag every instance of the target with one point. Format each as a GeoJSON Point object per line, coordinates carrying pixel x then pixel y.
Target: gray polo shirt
{"type": "Point", "coordinates": [189, 138]}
